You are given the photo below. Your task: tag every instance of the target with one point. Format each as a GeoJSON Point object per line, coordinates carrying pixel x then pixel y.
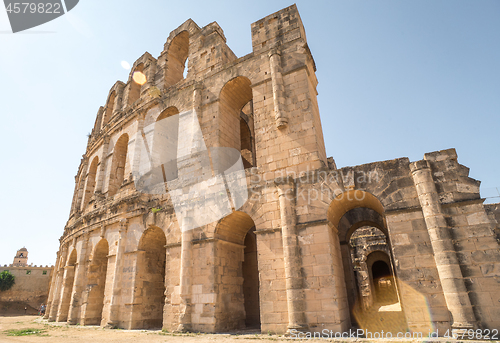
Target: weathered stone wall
{"type": "Point", "coordinates": [31, 285]}
{"type": "Point", "coordinates": [302, 209]}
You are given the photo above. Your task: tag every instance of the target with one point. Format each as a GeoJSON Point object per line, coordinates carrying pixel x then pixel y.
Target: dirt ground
{"type": "Point", "coordinates": [60, 332]}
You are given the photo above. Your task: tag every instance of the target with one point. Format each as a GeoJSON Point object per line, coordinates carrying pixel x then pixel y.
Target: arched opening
{"type": "Point", "coordinates": [69, 278]}
{"type": "Point", "coordinates": [96, 284]}
{"type": "Point", "coordinates": [150, 279]}
{"type": "Point", "coordinates": [165, 143]}
{"type": "Point", "coordinates": [235, 113]}
{"type": "Point", "coordinates": [366, 241]}
{"type": "Point", "coordinates": [168, 112]}
{"type": "Point", "coordinates": [382, 278]}
{"type": "Point", "coordinates": [359, 219]}
{"type": "Point", "coordinates": [118, 165]}
{"type": "Point", "coordinates": [251, 281]}
{"type": "Point", "coordinates": [108, 111]}
{"type": "Point", "coordinates": [136, 83]}
{"type": "Point", "coordinates": [237, 266]}
{"type": "Point", "coordinates": [91, 176]}
{"type": "Point", "coordinates": [177, 55]}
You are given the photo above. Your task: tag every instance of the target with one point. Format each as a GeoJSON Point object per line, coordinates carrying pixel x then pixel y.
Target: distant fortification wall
{"type": "Point", "coordinates": [31, 287]}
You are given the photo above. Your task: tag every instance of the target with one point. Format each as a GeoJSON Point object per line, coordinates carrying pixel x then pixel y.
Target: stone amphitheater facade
{"type": "Point", "coordinates": [284, 259]}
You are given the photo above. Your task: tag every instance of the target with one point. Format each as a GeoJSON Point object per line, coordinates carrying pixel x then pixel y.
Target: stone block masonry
{"type": "Point", "coordinates": [313, 247]}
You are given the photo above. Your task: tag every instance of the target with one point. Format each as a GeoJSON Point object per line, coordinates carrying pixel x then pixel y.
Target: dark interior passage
{"type": "Point", "coordinates": [383, 283]}
{"type": "Point", "coordinates": [251, 282]}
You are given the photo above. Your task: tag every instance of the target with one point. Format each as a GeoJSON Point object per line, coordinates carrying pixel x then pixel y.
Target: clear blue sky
{"type": "Point", "coordinates": [396, 79]}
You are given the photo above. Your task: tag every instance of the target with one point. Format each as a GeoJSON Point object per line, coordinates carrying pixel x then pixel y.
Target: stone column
{"type": "Point", "coordinates": [450, 275]}
{"type": "Point", "coordinates": [52, 289]}
{"type": "Point", "coordinates": [79, 283]}
{"type": "Point", "coordinates": [291, 256]}
{"type": "Point", "coordinates": [198, 87]}
{"type": "Point", "coordinates": [59, 279]}
{"type": "Point", "coordinates": [118, 104]}
{"type": "Point", "coordinates": [278, 88]}
{"type": "Point", "coordinates": [150, 74]}
{"type": "Point", "coordinates": [114, 307]}
{"type": "Point", "coordinates": [185, 279]}
{"type": "Point", "coordinates": [66, 289]}
{"type": "Point", "coordinates": [81, 186]}
{"type": "Point", "coordinates": [102, 164]}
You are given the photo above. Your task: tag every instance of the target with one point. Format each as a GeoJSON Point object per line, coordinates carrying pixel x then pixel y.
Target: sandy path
{"type": "Point", "coordinates": [58, 333]}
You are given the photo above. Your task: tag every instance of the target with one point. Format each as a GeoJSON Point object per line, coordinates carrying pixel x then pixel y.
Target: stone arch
{"type": "Point", "coordinates": [96, 284]}
{"type": "Point", "coordinates": [349, 200]}
{"type": "Point", "coordinates": [236, 262]}
{"type": "Point", "coordinates": [233, 97]}
{"type": "Point", "coordinates": [91, 178]}
{"type": "Point", "coordinates": [108, 110]}
{"type": "Point", "coordinates": [67, 289]}
{"type": "Point", "coordinates": [118, 163]}
{"type": "Point", "coordinates": [177, 55]}
{"type": "Point", "coordinates": [135, 84]}
{"type": "Point", "coordinates": [168, 112]}
{"type": "Point", "coordinates": [150, 278]}
{"type": "Point", "coordinates": [165, 143]}
{"type": "Point", "coordinates": [384, 292]}
{"type": "Point", "coordinates": [347, 213]}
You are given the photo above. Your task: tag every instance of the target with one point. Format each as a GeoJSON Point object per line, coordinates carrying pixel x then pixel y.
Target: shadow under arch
{"type": "Point", "coordinates": [150, 279]}
{"type": "Point", "coordinates": [237, 265]}
{"type": "Point", "coordinates": [96, 284]}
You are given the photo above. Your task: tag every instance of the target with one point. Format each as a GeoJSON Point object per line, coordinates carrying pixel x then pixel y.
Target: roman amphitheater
{"type": "Point", "coordinates": [170, 228]}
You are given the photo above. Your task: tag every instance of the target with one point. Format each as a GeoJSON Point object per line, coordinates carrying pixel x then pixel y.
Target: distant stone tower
{"type": "Point", "coordinates": [21, 258]}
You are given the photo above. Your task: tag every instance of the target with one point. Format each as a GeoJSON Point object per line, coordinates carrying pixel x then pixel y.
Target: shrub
{"type": "Point", "coordinates": [7, 280]}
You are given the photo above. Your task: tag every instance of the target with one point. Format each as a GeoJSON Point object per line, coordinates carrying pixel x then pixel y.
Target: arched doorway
{"type": "Point", "coordinates": [237, 266]}
{"type": "Point", "coordinates": [358, 218]}
{"type": "Point", "coordinates": [96, 284]}
{"type": "Point", "coordinates": [149, 289]}
{"type": "Point", "coordinates": [118, 163]}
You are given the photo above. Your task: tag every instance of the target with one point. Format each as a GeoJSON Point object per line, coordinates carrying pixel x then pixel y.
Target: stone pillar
{"type": "Point", "coordinates": [114, 307]}
{"type": "Point", "coordinates": [52, 289]}
{"type": "Point", "coordinates": [66, 289]}
{"type": "Point", "coordinates": [59, 280]}
{"type": "Point", "coordinates": [198, 87]}
{"type": "Point", "coordinates": [118, 104]}
{"type": "Point", "coordinates": [278, 88]}
{"type": "Point", "coordinates": [136, 161]}
{"type": "Point", "coordinates": [102, 165]}
{"type": "Point", "coordinates": [150, 74]}
{"type": "Point", "coordinates": [185, 280]}
{"type": "Point", "coordinates": [450, 275]}
{"type": "Point", "coordinates": [291, 256]}
{"type": "Point", "coordinates": [81, 186]}
{"type": "Point", "coordinates": [79, 283]}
